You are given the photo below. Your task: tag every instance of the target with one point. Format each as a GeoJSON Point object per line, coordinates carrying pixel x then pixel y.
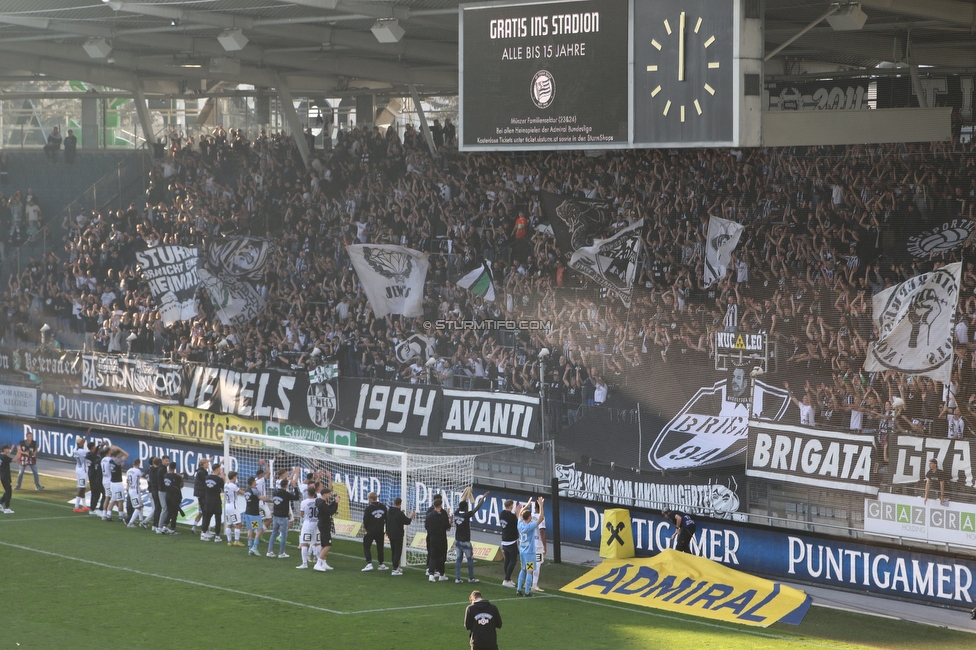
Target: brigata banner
{"type": "Point", "coordinates": [203, 426]}
{"type": "Point", "coordinates": [109, 375]}
{"type": "Point", "coordinates": [828, 459]}
{"type": "Point", "coordinates": [684, 583]}
{"type": "Point", "coordinates": [911, 455]}
{"type": "Point", "coordinates": [19, 401]}
{"type": "Point", "coordinates": [911, 518]}
{"type": "Point", "coordinates": [93, 410]}
{"type": "Point", "coordinates": [785, 555]}
{"type": "Point", "coordinates": [383, 407]}
{"type": "Point", "coordinates": [495, 418]}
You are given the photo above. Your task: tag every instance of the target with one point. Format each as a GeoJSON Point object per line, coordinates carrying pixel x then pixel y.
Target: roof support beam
{"type": "Point", "coordinates": [950, 11]}
{"type": "Point", "coordinates": [145, 119]}
{"type": "Point", "coordinates": [295, 124]}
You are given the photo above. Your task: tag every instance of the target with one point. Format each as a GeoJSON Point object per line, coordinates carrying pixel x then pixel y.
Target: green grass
{"type": "Point", "coordinates": [72, 581]}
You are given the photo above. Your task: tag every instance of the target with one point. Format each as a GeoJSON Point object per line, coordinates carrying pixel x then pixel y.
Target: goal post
{"type": "Point", "coordinates": [355, 472]}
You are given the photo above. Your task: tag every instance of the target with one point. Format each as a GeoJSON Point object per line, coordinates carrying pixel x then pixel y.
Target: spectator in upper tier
{"type": "Point", "coordinates": [938, 475]}
{"type": "Point", "coordinates": [53, 145]}
{"type": "Point", "coordinates": [70, 146]}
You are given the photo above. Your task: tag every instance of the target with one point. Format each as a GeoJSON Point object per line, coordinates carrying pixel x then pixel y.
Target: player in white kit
{"type": "Point", "coordinates": [106, 482]}
{"type": "Point", "coordinates": [261, 485]}
{"type": "Point", "coordinates": [540, 546]}
{"type": "Point", "coordinates": [133, 478]}
{"type": "Point", "coordinates": [308, 539]}
{"type": "Point", "coordinates": [81, 473]}
{"type": "Point", "coordinates": [232, 512]}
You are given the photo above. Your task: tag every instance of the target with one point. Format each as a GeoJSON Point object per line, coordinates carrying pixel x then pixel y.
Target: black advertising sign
{"type": "Point", "coordinates": [812, 457]}
{"type": "Point", "coordinates": [116, 376]}
{"type": "Point", "coordinates": [381, 407]}
{"type": "Point", "coordinates": [496, 418]}
{"type": "Point", "coordinates": [548, 75]}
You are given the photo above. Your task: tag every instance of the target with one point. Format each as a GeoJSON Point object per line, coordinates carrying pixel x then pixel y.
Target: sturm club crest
{"type": "Point", "coordinates": [542, 89]}
{"type": "Point", "coordinates": [322, 404]}
{"type": "Point", "coordinates": [944, 238]}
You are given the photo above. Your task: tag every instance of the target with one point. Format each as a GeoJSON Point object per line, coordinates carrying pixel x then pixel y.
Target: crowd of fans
{"type": "Point", "coordinates": [825, 231]}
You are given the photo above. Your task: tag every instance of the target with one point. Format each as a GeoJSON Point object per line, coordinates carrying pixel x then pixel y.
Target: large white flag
{"type": "Point", "coordinates": [612, 262]}
{"type": "Point", "coordinates": [914, 323]}
{"type": "Point", "coordinates": [392, 276]}
{"type": "Point", "coordinates": [723, 237]}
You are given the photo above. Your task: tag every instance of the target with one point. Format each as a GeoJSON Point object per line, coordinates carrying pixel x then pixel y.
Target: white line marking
{"type": "Point", "coordinates": [727, 628]}
{"type": "Point", "coordinates": [12, 520]}
{"type": "Point", "coordinates": [465, 603]}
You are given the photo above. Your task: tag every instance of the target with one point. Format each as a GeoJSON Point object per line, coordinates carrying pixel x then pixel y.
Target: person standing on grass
{"type": "Point", "coordinates": [396, 522]}
{"type": "Point", "coordinates": [232, 513]}
{"type": "Point", "coordinates": [327, 506]}
{"type": "Point", "coordinates": [286, 493]}
{"type": "Point", "coordinates": [540, 545]}
{"type": "Point", "coordinates": [155, 463]}
{"type": "Point", "coordinates": [684, 528]}
{"type": "Point", "coordinates": [253, 500]}
{"type": "Point", "coordinates": [482, 619]}
{"type": "Point", "coordinates": [5, 460]}
{"type": "Point", "coordinates": [374, 522]}
{"type": "Point", "coordinates": [213, 486]}
{"type": "Point", "coordinates": [462, 537]}
{"type": "Point", "coordinates": [510, 537]}
{"type": "Point", "coordinates": [308, 537]}
{"type": "Point", "coordinates": [200, 490]}
{"type": "Point", "coordinates": [172, 484]}
{"type": "Point", "coordinates": [133, 478]}
{"type": "Point", "coordinates": [80, 455]}
{"type": "Point", "coordinates": [116, 485]}
{"type": "Point", "coordinates": [106, 465]}
{"type": "Point", "coordinates": [437, 524]}
{"type": "Point", "coordinates": [27, 457]}
{"type": "Point", "coordinates": [526, 530]}
{"type": "Point", "coordinates": [95, 455]}
{"type": "Point", "coordinates": [261, 485]}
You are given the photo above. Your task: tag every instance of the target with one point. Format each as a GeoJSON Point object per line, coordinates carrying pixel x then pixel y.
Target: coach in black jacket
{"type": "Point", "coordinates": [437, 524]}
{"type": "Point", "coordinates": [374, 521]}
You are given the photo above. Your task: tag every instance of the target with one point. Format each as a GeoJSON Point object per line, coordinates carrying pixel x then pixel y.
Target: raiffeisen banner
{"type": "Point", "coordinates": [687, 584]}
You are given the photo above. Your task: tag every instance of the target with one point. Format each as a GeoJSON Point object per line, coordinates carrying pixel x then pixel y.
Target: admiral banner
{"type": "Point", "coordinates": [156, 382]}
{"type": "Point", "coordinates": [828, 459]}
{"type": "Point", "coordinates": [911, 456]}
{"type": "Point", "coordinates": [267, 395]}
{"type": "Point", "coordinates": [389, 408]}
{"type": "Point", "coordinates": [171, 272]}
{"type": "Point", "coordinates": [703, 496]}
{"type": "Point", "coordinates": [91, 410]}
{"type": "Point", "coordinates": [908, 517]}
{"type": "Point", "coordinates": [203, 426]}
{"type": "Point", "coordinates": [19, 401]}
{"type": "Point", "coordinates": [494, 418]}
{"type": "Point", "coordinates": [548, 75]}
{"type": "Point", "coordinates": [711, 428]}
{"type": "Point", "coordinates": [683, 583]}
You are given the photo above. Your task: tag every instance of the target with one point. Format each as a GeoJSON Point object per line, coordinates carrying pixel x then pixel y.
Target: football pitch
{"type": "Point", "coordinates": [73, 581]}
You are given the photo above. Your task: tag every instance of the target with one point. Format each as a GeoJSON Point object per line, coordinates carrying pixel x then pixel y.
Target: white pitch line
{"type": "Point", "coordinates": [11, 520]}
{"type": "Point", "coordinates": [396, 609]}
{"type": "Point", "coordinates": [724, 628]}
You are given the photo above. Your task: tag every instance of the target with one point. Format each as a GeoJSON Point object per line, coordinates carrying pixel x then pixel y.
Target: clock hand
{"type": "Point", "coordinates": [681, 47]}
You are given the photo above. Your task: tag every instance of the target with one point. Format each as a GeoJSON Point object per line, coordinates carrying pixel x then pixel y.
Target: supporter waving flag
{"type": "Point", "coordinates": [392, 276]}
{"type": "Point", "coordinates": [232, 273]}
{"type": "Point", "coordinates": [612, 263]}
{"type": "Point", "coordinates": [914, 320]}
{"type": "Point", "coordinates": [479, 282]}
{"type": "Point", "coordinates": [723, 237]}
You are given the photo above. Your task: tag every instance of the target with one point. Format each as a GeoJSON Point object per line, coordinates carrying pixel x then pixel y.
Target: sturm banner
{"type": "Point", "coordinates": [157, 382]}
{"type": "Point", "coordinates": [827, 459]}
{"type": "Point", "coordinates": [380, 407]}
{"type": "Point", "coordinates": [51, 364]}
{"type": "Point", "coordinates": [612, 262]}
{"type": "Point", "coordinates": [493, 418]}
{"type": "Point", "coordinates": [171, 272]}
{"type": "Point", "coordinates": [232, 273]}
{"type": "Point", "coordinates": [708, 496]}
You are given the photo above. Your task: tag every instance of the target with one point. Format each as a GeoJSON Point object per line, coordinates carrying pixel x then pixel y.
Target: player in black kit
{"type": "Point", "coordinates": [213, 487]}
{"type": "Point", "coordinates": [374, 522]}
{"type": "Point", "coordinates": [172, 487]}
{"type": "Point", "coordinates": [327, 505]}
{"type": "Point", "coordinates": [396, 521]}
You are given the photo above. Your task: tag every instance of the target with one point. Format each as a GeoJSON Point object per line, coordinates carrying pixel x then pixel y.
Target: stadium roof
{"type": "Point", "coordinates": [329, 46]}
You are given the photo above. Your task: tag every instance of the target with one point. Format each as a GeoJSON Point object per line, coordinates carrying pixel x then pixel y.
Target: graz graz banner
{"type": "Point", "coordinates": [911, 456]}
{"type": "Point", "coordinates": [494, 418]}
{"type": "Point", "coordinates": [699, 496]}
{"type": "Point", "coordinates": [265, 395]}
{"type": "Point", "coordinates": [907, 516]}
{"type": "Point", "coordinates": [157, 382]}
{"type": "Point", "coordinates": [171, 272]}
{"type": "Point", "coordinates": [841, 461]}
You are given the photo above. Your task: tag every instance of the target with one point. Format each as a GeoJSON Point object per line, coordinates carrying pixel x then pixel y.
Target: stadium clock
{"type": "Point", "coordinates": [684, 69]}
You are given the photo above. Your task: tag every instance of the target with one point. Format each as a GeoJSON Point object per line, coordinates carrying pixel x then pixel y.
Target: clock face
{"type": "Point", "coordinates": [683, 71]}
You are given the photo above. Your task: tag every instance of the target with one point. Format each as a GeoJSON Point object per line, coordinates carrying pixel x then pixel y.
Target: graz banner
{"type": "Point", "coordinates": [828, 459]}
{"type": "Point", "coordinates": [157, 382]}
{"type": "Point", "coordinates": [699, 496]}
{"type": "Point", "coordinates": [171, 272]}
{"type": "Point", "coordinates": [93, 410]}
{"type": "Point", "coordinates": [908, 517]}
{"type": "Point", "coordinates": [685, 583]}
{"type": "Point", "coordinates": [711, 428]}
{"type": "Point", "coordinates": [204, 426]}
{"type": "Point", "coordinates": [911, 456]}
{"type": "Point", "coordinates": [389, 408]}
{"type": "Point", "coordinates": [266, 395]}
{"type": "Point", "coordinates": [495, 418]}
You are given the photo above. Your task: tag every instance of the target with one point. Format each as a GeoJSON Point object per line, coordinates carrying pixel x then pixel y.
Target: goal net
{"type": "Point", "coordinates": [355, 472]}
